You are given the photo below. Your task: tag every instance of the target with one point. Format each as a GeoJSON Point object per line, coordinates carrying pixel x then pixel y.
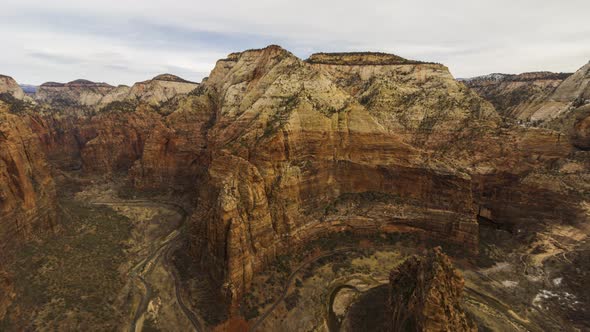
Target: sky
{"type": "Point", "coordinates": [125, 41]}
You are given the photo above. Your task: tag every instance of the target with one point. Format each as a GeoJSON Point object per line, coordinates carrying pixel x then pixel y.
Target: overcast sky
{"type": "Point", "coordinates": [124, 41]}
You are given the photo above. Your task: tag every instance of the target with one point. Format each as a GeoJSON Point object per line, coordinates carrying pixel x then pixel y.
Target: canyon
{"type": "Point", "coordinates": [271, 156]}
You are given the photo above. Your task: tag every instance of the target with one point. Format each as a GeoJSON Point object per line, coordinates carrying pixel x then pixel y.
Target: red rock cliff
{"type": "Point", "coordinates": [27, 193]}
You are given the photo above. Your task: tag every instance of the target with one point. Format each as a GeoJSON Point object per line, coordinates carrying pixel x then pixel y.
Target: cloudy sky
{"type": "Point", "coordinates": [124, 41]}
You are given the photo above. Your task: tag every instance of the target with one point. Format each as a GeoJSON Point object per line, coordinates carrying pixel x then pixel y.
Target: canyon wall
{"type": "Point", "coordinates": [556, 101]}
{"type": "Point", "coordinates": [295, 144]}
{"type": "Point", "coordinates": [27, 193]}
{"type": "Point", "coordinates": [106, 134]}
{"type": "Point", "coordinates": [516, 95]}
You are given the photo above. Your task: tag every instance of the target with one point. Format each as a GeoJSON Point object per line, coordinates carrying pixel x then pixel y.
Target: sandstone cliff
{"type": "Point", "coordinates": [425, 294]}
{"type": "Point", "coordinates": [291, 140]}
{"type": "Point", "coordinates": [107, 134]}
{"type": "Point", "coordinates": [160, 89]}
{"type": "Point", "coordinates": [315, 139]}
{"type": "Point", "coordinates": [515, 95]}
{"type": "Point", "coordinates": [27, 193]}
{"type": "Point", "coordinates": [556, 101]}
{"type": "Point", "coordinates": [538, 97]}
{"type": "Point", "coordinates": [9, 85]}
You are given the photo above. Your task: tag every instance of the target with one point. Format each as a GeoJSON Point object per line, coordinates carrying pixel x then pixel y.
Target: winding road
{"type": "Point", "coordinates": [165, 251]}
{"type": "Point", "coordinates": [298, 269]}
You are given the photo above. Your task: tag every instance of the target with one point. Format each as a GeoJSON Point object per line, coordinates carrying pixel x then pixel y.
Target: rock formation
{"type": "Point", "coordinates": [425, 294]}
{"type": "Point", "coordinates": [536, 97]}
{"type": "Point", "coordinates": [78, 92]}
{"type": "Point", "coordinates": [315, 138]}
{"type": "Point", "coordinates": [289, 141]}
{"type": "Point", "coordinates": [556, 101]}
{"type": "Point", "coordinates": [514, 95]}
{"type": "Point", "coordinates": [106, 134]}
{"type": "Point", "coordinates": [160, 89]}
{"type": "Point", "coordinates": [9, 85]}
{"type": "Point", "coordinates": [86, 93]}
{"type": "Point", "coordinates": [27, 193]}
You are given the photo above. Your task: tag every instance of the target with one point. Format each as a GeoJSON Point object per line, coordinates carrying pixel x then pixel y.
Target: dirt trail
{"type": "Point", "coordinates": [298, 269]}
{"type": "Point", "coordinates": [159, 256]}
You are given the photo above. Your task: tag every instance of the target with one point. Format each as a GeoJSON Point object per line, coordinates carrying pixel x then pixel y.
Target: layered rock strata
{"type": "Point", "coordinates": [514, 95]}
{"type": "Point", "coordinates": [291, 140]}
{"type": "Point", "coordinates": [27, 193]}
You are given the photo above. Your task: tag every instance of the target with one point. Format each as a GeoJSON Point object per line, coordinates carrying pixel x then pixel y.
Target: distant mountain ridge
{"type": "Point", "coordinates": [29, 89]}
{"type": "Point", "coordinates": [99, 94]}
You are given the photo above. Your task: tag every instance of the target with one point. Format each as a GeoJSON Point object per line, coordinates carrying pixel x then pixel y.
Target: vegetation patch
{"type": "Point", "coordinates": [125, 106]}
{"type": "Point", "coordinates": [73, 278]}
{"type": "Point", "coordinates": [15, 106]}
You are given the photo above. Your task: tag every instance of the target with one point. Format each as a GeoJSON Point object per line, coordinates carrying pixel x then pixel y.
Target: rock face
{"type": "Point", "coordinates": [425, 294]}
{"type": "Point", "coordinates": [421, 102]}
{"type": "Point", "coordinates": [539, 97]}
{"type": "Point", "coordinates": [27, 193]}
{"type": "Point", "coordinates": [9, 85]}
{"type": "Point", "coordinates": [557, 101]}
{"type": "Point", "coordinates": [160, 89]}
{"type": "Point", "coordinates": [174, 151]}
{"type": "Point", "coordinates": [107, 136]}
{"type": "Point", "coordinates": [331, 143]}
{"type": "Point", "coordinates": [515, 95]}
{"type": "Point", "coordinates": [289, 142]}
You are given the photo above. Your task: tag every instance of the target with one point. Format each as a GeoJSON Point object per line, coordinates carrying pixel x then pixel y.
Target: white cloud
{"type": "Point", "coordinates": [126, 41]}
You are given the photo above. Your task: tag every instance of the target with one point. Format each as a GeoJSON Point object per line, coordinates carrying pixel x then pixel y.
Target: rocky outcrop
{"type": "Point", "coordinates": [160, 89]}
{"type": "Point", "coordinates": [556, 101]}
{"type": "Point", "coordinates": [515, 95]}
{"type": "Point", "coordinates": [27, 193]}
{"type": "Point", "coordinates": [421, 102]}
{"type": "Point", "coordinates": [8, 85]}
{"type": "Point", "coordinates": [537, 97]}
{"type": "Point", "coordinates": [426, 294]}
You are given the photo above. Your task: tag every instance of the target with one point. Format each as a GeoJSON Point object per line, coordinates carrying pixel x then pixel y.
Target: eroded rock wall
{"type": "Point", "coordinates": [286, 144]}
{"type": "Point", "coordinates": [27, 194]}
{"type": "Point", "coordinates": [426, 294]}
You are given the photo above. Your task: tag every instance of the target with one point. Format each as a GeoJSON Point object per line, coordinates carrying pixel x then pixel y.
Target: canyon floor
{"type": "Point", "coordinates": [115, 265]}
{"type": "Point", "coordinates": [108, 267]}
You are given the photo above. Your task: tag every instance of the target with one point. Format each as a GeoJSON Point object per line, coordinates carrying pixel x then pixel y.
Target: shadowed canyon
{"type": "Point", "coordinates": [343, 192]}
